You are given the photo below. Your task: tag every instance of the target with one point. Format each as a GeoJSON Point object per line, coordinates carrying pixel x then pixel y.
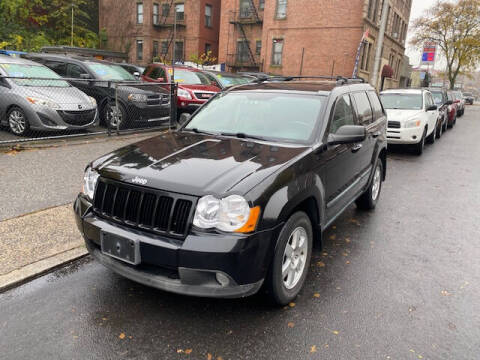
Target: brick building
{"type": "Point", "coordinates": [144, 28]}
{"type": "Point", "coordinates": [310, 37]}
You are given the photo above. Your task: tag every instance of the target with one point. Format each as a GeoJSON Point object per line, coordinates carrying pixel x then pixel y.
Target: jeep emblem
{"type": "Point", "coordinates": [139, 180]}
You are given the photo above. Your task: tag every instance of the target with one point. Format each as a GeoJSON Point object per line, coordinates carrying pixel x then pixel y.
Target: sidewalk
{"type": "Point", "coordinates": [35, 243]}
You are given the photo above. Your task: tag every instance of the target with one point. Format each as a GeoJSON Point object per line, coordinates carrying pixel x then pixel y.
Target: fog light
{"type": "Point", "coordinates": [414, 137]}
{"type": "Point", "coordinates": [222, 279]}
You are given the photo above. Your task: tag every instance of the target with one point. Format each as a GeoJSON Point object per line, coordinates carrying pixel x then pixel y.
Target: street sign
{"type": "Point", "coordinates": [429, 53]}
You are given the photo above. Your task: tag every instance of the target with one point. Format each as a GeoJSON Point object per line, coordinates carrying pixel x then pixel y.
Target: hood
{"type": "Point", "coordinates": [196, 164]}
{"type": "Point", "coordinates": [59, 95]}
{"type": "Point", "coordinates": [401, 115]}
{"type": "Point", "coordinates": [141, 88]}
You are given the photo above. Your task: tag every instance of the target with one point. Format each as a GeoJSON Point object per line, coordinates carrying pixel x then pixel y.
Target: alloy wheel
{"type": "Point", "coordinates": [294, 258]}
{"type": "Point", "coordinates": [17, 122]}
{"type": "Point", "coordinates": [377, 179]}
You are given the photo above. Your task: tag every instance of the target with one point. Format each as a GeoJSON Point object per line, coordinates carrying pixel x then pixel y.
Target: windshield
{"type": "Point", "coordinates": [35, 72]}
{"type": "Point", "coordinates": [437, 97]}
{"type": "Point", "coordinates": [265, 115]}
{"type": "Point", "coordinates": [226, 80]}
{"type": "Point", "coordinates": [190, 77]}
{"type": "Point", "coordinates": [402, 101]}
{"type": "Point", "coordinates": [110, 72]}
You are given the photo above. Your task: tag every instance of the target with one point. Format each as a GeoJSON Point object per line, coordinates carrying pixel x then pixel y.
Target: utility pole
{"type": "Point", "coordinates": [381, 36]}
{"type": "Point", "coordinates": [71, 40]}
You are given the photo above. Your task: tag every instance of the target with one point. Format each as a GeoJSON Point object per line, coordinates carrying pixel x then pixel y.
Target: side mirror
{"type": "Point", "coordinates": [432, 108]}
{"type": "Point", "coordinates": [348, 134]}
{"type": "Point", "coordinates": [84, 76]}
{"type": "Point", "coordinates": [136, 74]}
{"type": "Point", "coordinates": [184, 117]}
{"type": "Point", "coordinates": [449, 102]}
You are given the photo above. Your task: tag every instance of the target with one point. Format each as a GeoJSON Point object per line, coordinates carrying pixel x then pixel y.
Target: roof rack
{"type": "Point", "coordinates": [339, 79]}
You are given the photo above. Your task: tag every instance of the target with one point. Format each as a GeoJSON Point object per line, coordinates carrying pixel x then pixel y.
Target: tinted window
{"type": "Point", "coordinates": [363, 108]}
{"type": "Point", "coordinates": [74, 71]}
{"type": "Point", "coordinates": [269, 115]}
{"type": "Point", "coordinates": [343, 114]}
{"type": "Point", "coordinates": [376, 105]}
{"type": "Point", "coordinates": [59, 67]}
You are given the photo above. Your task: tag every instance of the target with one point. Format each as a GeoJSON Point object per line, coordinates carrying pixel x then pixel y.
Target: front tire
{"type": "Point", "coordinates": [368, 200]}
{"type": "Point", "coordinates": [418, 148]}
{"type": "Point", "coordinates": [432, 137]}
{"type": "Point", "coordinates": [18, 122]}
{"type": "Point", "coordinates": [440, 130]}
{"type": "Point", "coordinates": [291, 261]}
{"type": "Point", "coordinates": [109, 118]}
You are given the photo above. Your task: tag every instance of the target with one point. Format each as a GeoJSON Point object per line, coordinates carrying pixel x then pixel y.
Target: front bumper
{"type": "Point", "coordinates": [187, 266]}
{"type": "Point", "coordinates": [45, 119]}
{"type": "Point", "coordinates": [142, 112]}
{"type": "Point", "coordinates": [404, 135]}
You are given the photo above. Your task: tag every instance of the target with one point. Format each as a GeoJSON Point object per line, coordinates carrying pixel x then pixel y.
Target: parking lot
{"type": "Point", "coordinates": [402, 282]}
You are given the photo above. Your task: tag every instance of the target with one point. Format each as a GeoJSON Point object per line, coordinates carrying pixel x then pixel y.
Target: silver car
{"type": "Point", "coordinates": [32, 99]}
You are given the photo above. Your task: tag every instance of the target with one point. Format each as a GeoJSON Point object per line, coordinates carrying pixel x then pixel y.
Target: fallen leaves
{"type": "Point", "coordinates": [188, 351]}
{"type": "Point", "coordinates": [313, 349]}
{"type": "Point", "coordinates": [321, 264]}
{"type": "Point", "coordinates": [291, 325]}
{"type": "Point", "coordinates": [121, 336]}
{"type": "Point", "coordinates": [316, 295]}
{"type": "Point", "coordinates": [347, 240]}
{"type": "Point", "coordinates": [292, 304]}
{"type": "Point", "coordinates": [333, 237]}
{"type": "Point", "coordinates": [445, 293]}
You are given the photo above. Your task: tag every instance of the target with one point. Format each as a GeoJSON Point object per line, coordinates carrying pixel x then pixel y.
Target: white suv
{"type": "Point", "coordinates": [412, 117]}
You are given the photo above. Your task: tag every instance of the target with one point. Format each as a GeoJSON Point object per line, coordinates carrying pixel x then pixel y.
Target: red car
{"type": "Point", "coordinates": [452, 109]}
{"type": "Point", "coordinates": [194, 87]}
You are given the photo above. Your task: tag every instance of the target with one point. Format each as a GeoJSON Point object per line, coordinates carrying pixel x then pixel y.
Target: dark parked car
{"type": "Point", "coordinates": [460, 102]}
{"type": "Point", "coordinates": [452, 108]}
{"type": "Point", "coordinates": [233, 200]}
{"type": "Point", "coordinates": [138, 103]}
{"type": "Point", "coordinates": [440, 98]}
{"type": "Point", "coordinates": [226, 79]}
{"type": "Point", "coordinates": [469, 98]}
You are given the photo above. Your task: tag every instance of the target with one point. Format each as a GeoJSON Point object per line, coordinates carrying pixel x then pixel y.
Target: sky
{"type": "Point", "coordinates": [418, 7]}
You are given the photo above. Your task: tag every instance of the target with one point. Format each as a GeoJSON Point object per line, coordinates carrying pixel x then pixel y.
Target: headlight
{"type": "Point", "coordinates": [184, 94]}
{"type": "Point", "coordinates": [92, 101]}
{"type": "Point", "coordinates": [89, 182]}
{"type": "Point", "coordinates": [413, 123]}
{"type": "Point", "coordinates": [230, 214]}
{"type": "Point", "coordinates": [43, 102]}
{"type": "Point", "coordinates": [137, 98]}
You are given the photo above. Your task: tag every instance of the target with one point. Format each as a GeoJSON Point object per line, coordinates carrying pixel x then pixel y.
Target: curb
{"type": "Point", "coordinates": [41, 267]}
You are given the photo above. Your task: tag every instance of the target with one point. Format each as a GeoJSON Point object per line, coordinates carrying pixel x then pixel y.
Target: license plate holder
{"type": "Point", "coordinates": [120, 248]}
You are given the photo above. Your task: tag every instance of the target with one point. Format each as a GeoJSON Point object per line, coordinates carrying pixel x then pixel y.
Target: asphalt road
{"type": "Point", "coordinates": [402, 282]}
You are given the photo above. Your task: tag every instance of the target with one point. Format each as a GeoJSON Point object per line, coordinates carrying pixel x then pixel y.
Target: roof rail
{"type": "Point", "coordinates": [339, 79]}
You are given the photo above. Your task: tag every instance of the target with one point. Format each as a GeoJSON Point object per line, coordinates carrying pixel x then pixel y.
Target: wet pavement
{"type": "Point", "coordinates": [402, 282]}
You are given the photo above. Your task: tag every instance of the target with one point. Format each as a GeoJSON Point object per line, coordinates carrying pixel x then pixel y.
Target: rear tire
{"type": "Point", "coordinates": [368, 200]}
{"type": "Point", "coordinates": [291, 260]}
{"type": "Point", "coordinates": [440, 130]}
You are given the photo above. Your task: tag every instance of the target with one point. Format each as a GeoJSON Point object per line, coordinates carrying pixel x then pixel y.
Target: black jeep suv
{"type": "Point", "coordinates": [234, 199]}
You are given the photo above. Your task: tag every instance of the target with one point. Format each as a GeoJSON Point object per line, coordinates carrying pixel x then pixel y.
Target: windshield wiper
{"type": "Point", "coordinates": [197, 131]}
{"type": "Point", "coordinates": [244, 136]}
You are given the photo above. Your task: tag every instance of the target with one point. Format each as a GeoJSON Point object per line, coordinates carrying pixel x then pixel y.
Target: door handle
{"type": "Point", "coordinates": [356, 148]}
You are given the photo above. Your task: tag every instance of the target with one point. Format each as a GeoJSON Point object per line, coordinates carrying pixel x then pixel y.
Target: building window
{"type": "Point", "coordinates": [261, 4]}
{"type": "Point", "coordinates": [139, 49]}
{"type": "Point", "coordinates": [164, 48]}
{"type": "Point", "coordinates": [180, 12]}
{"type": "Point", "coordinates": [155, 49]}
{"type": "Point", "coordinates": [245, 10]}
{"type": "Point", "coordinates": [179, 51]}
{"type": "Point", "coordinates": [258, 47]}
{"type": "Point", "coordinates": [281, 12]}
{"type": "Point", "coordinates": [208, 15]}
{"type": "Point", "coordinates": [156, 13]}
{"type": "Point", "coordinates": [165, 9]}
{"type": "Point", "coordinates": [277, 52]}
{"type": "Point", "coordinates": [242, 51]}
{"type": "Point", "coordinates": [208, 47]}
{"type": "Point", "coordinates": [365, 59]}
{"type": "Point", "coordinates": [139, 13]}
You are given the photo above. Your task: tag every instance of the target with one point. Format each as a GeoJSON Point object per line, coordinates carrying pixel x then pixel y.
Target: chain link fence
{"type": "Point", "coordinates": [37, 108]}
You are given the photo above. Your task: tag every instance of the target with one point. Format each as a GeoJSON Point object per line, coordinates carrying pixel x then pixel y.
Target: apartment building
{"type": "Point", "coordinates": [144, 29]}
{"type": "Point", "coordinates": [310, 37]}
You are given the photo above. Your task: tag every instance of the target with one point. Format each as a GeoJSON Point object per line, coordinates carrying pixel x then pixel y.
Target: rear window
{"type": "Point", "coordinates": [190, 77]}
{"type": "Point", "coordinates": [437, 97]}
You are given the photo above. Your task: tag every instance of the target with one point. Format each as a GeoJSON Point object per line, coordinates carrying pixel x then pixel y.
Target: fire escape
{"type": "Point", "coordinates": [247, 18]}
{"type": "Point", "coordinates": [167, 21]}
